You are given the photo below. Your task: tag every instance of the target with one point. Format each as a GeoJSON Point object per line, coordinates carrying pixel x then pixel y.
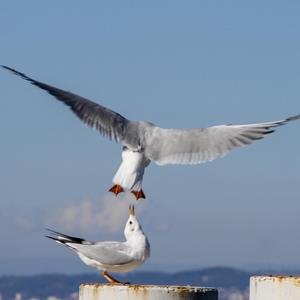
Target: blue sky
{"type": "Point", "coordinates": [191, 64]}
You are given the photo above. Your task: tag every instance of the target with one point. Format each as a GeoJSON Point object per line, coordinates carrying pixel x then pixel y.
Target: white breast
{"type": "Point", "coordinates": [132, 161]}
{"type": "Point", "coordinates": [131, 171]}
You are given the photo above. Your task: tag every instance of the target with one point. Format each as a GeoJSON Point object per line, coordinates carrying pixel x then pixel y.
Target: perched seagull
{"type": "Point", "coordinates": [116, 257]}
{"type": "Point", "coordinates": [144, 142]}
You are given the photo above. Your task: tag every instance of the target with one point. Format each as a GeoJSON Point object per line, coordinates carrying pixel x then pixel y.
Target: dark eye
{"type": "Point", "coordinates": [130, 222]}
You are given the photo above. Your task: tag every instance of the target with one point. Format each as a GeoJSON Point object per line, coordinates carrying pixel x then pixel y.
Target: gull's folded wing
{"type": "Point", "coordinates": [192, 146]}
{"type": "Point", "coordinates": [108, 253]}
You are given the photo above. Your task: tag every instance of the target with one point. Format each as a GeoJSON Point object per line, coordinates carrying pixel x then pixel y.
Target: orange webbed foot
{"type": "Point", "coordinates": [116, 189]}
{"type": "Point", "coordinates": [139, 194]}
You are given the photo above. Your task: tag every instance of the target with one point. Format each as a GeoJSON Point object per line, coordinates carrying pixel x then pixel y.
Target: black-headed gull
{"type": "Point", "coordinates": [116, 257]}
{"type": "Point", "coordinates": [144, 142]}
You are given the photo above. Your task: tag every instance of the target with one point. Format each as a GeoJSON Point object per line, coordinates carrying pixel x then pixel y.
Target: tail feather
{"type": "Point", "coordinates": [65, 239]}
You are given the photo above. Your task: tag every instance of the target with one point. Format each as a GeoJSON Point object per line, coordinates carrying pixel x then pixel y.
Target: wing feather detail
{"type": "Point", "coordinates": [107, 253]}
{"type": "Point", "coordinates": [193, 146]}
{"type": "Point", "coordinates": [109, 123]}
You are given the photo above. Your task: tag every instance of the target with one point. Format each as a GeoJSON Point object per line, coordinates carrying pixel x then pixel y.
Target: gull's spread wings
{"type": "Point", "coordinates": [163, 146]}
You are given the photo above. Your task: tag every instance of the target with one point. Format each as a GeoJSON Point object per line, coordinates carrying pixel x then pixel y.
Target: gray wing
{"type": "Point", "coordinates": [106, 121]}
{"type": "Point", "coordinates": [192, 146]}
{"type": "Point", "coordinates": [108, 253]}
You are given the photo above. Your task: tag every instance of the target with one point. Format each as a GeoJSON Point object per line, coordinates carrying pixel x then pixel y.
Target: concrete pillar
{"type": "Point", "coordinates": [145, 292]}
{"type": "Point", "coordinates": [274, 288]}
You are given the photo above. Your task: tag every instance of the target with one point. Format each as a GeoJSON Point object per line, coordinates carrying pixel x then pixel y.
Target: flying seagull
{"type": "Point", "coordinates": [116, 257]}
{"type": "Point", "coordinates": [144, 142]}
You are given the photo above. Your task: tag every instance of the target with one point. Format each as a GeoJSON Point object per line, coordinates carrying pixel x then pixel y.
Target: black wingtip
{"type": "Point", "coordinates": [293, 118]}
{"type": "Point", "coordinates": [62, 242]}
{"type": "Point", "coordinates": [52, 231]}
{"type": "Point", "coordinates": [51, 237]}
{"type": "Point", "coordinates": [6, 67]}
{"type": "Point", "coordinates": [269, 131]}
{"type": "Point", "coordinates": [16, 72]}
{"type": "Point", "coordinates": [69, 238]}
{"type": "Point", "coordinates": [10, 69]}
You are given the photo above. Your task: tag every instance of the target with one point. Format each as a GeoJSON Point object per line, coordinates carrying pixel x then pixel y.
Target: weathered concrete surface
{"type": "Point", "coordinates": [145, 292]}
{"type": "Point", "coordinates": [274, 288]}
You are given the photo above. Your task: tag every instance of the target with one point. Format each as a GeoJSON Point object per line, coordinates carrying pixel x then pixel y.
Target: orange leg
{"type": "Point", "coordinates": [110, 279]}
{"type": "Point", "coordinates": [116, 189]}
{"type": "Point", "coordinates": [139, 194]}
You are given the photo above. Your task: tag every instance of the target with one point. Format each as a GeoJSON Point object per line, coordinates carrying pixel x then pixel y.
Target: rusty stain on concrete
{"type": "Point", "coordinates": [279, 287]}
{"type": "Point", "coordinates": [279, 279]}
{"type": "Point", "coordinates": [138, 287]}
{"type": "Point", "coordinates": [97, 291]}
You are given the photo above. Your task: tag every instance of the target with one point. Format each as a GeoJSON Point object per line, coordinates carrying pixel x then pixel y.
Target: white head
{"type": "Point", "coordinates": [132, 226]}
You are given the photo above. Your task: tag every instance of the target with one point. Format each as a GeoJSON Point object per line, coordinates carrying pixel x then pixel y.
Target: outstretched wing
{"type": "Point", "coordinates": [192, 146]}
{"type": "Point", "coordinates": [106, 121]}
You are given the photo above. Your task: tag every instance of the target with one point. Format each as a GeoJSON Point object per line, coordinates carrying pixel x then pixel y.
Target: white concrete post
{"type": "Point", "coordinates": [145, 292]}
{"type": "Point", "coordinates": [274, 288]}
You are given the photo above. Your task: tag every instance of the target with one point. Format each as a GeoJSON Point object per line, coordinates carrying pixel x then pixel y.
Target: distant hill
{"type": "Point", "coordinates": [228, 280]}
